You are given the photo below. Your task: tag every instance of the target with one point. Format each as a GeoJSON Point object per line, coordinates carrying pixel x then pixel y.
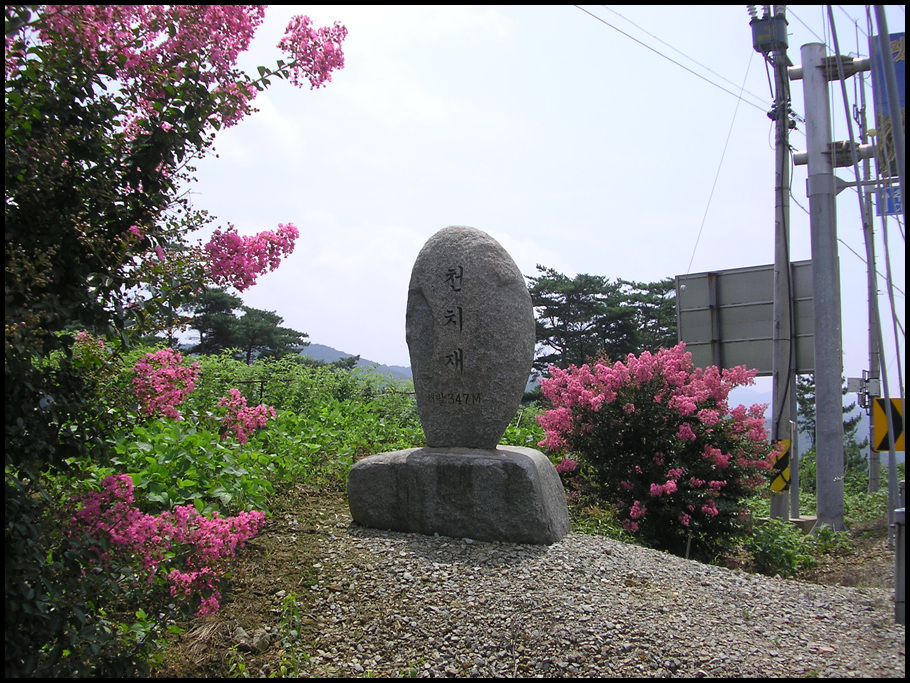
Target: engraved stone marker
{"type": "Point", "coordinates": [470, 333]}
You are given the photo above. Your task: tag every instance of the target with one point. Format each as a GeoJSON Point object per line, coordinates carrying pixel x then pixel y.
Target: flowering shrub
{"type": "Point", "coordinates": [162, 382]}
{"type": "Point", "coordinates": [107, 106]}
{"type": "Point", "coordinates": [316, 53]}
{"type": "Point", "coordinates": [154, 541]}
{"type": "Point", "coordinates": [154, 45]}
{"type": "Point", "coordinates": [240, 419]}
{"type": "Point", "coordinates": [238, 261]}
{"type": "Point", "coordinates": [664, 447]}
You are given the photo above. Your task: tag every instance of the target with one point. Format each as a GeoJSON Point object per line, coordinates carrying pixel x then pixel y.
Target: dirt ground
{"type": "Point", "coordinates": [869, 565]}
{"type": "Point", "coordinates": [270, 579]}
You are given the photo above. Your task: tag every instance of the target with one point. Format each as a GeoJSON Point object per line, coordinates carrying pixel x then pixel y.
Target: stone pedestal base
{"type": "Point", "coordinates": [510, 494]}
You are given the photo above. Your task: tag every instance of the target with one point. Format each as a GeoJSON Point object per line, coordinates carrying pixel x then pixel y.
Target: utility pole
{"type": "Point", "coordinates": [871, 380]}
{"type": "Point", "coordinates": [897, 132]}
{"type": "Point", "coordinates": [829, 423]}
{"type": "Point", "coordinates": [769, 36]}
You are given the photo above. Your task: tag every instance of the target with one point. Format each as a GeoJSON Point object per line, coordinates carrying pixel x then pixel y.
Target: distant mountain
{"type": "Point", "coordinates": [327, 354]}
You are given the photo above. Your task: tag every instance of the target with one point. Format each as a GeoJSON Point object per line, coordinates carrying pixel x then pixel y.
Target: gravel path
{"type": "Point", "coordinates": [390, 604]}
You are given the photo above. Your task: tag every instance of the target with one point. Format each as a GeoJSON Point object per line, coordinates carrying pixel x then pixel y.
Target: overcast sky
{"type": "Point", "coordinates": [571, 144]}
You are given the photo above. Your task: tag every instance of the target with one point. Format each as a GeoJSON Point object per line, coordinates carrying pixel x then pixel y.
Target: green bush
{"type": "Point", "coordinates": [178, 463]}
{"type": "Point", "coordinates": [524, 430]}
{"type": "Point", "coordinates": [777, 547]}
{"type": "Point", "coordinates": [863, 506]}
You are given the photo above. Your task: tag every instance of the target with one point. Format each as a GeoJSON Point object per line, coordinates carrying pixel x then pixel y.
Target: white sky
{"type": "Point", "coordinates": [572, 145]}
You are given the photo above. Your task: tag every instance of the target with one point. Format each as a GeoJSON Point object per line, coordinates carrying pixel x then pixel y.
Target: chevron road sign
{"type": "Point", "coordinates": [880, 424]}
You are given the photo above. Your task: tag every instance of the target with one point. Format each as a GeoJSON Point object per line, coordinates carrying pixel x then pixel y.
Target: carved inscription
{"type": "Point", "coordinates": [453, 398]}
{"type": "Point", "coordinates": [453, 278]}
{"type": "Point", "coordinates": [453, 318]}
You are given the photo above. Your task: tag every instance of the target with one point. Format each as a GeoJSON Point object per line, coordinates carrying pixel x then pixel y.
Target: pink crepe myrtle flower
{"type": "Point", "coordinates": [696, 456]}
{"type": "Point", "coordinates": [162, 382]}
{"type": "Point", "coordinates": [566, 465]}
{"type": "Point", "coordinates": [149, 540]}
{"type": "Point", "coordinates": [710, 508]}
{"type": "Point", "coordinates": [658, 490]}
{"type": "Point", "coordinates": [241, 420]}
{"type": "Point", "coordinates": [156, 49]}
{"type": "Point", "coordinates": [316, 52]}
{"type": "Point", "coordinates": [238, 261]}
{"type": "Point", "coordinates": [685, 433]}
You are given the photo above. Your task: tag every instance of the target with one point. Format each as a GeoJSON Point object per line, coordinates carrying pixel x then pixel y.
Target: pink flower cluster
{"type": "Point", "coordinates": [721, 460]}
{"type": "Point", "coordinates": [88, 348]}
{"type": "Point", "coordinates": [151, 539]}
{"type": "Point", "coordinates": [658, 490]}
{"type": "Point", "coordinates": [86, 338]}
{"type": "Point", "coordinates": [237, 261]}
{"type": "Point", "coordinates": [153, 44]}
{"type": "Point", "coordinates": [240, 419]}
{"type": "Point", "coordinates": [566, 465]}
{"type": "Point", "coordinates": [158, 48]}
{"type": "Point", "coordinates": [162, 382]}
{"type": "Point", "coordinates": [637, 512]}
{"type": "Point", "coordinates": [590, 387]}
{"type": "Point", "coordinates": [146, 38]}
{"type": "Point", "coordinates": [316, 52]}
{"type": "Point", "coordinates": [656, 428]}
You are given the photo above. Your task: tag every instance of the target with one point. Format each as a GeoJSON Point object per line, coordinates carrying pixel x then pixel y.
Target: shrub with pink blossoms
{"type": "Point", "coordinates": [238, 261]}
{"type": "Point", "coordinates": [241, 420]}
{"type": "Point", "coordinates": [680, 461]}
{"type": "Point", "coordinates": [156, 45]}
{"type": "Point", "coordinates": [162, 382]}
{"type": "Point", "coordinates": [133, 537]}
{"type": "Point", "coordinates": [316, 52]}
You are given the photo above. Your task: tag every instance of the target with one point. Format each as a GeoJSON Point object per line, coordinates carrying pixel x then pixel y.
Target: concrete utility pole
{"type": "Point", "coordinates": [829, 421]}
{"type": "Point", "coordinates": [782, 366]}
{"type": "Point", "coordinates": [872, 382]}
{"type": "Point", "coordinates": [897, 131]}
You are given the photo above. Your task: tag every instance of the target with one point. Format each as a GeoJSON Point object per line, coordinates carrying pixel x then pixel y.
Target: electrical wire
{"type": "Point", "coordinates": [820, 38]}
{"type": "Point", "coordinates": [793, 14]}
{"type": "Point", "coordinates": [706, 68]}
{"type": "Point", "coordinates": [861, 258]}
{"type": "Point", "coordinates": [719, 166]}
{"type": "Point", "coordinates": [670, 59]}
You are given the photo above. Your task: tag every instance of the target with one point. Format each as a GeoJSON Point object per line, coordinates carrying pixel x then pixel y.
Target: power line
{"type": "Point", "coordinates": [719, 166]}
{"type": "Point", "coordinates": [862, 258]}
{"type": "Point", "coordinates": [706, 68]}
{"type": "Point", "coordinates": [670, 59]}
{"type": "Point", "coordinates": [793, 14]}
{"type": "Point", "coordinates": [822, 40]}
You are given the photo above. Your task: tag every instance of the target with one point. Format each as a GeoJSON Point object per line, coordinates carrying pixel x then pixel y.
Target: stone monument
{"type": "Point", "coordinates": [470, 334]}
